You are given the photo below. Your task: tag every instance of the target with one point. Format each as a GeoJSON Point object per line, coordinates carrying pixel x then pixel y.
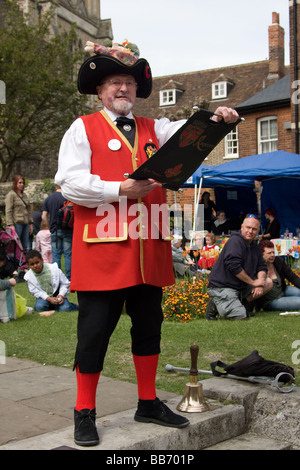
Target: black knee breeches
{"type": "Point", "coordinates": [99, 313]}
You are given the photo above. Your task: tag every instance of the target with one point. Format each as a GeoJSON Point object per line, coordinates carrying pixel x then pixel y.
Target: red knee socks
{"type": "Point", "coordinates": [146, 367]}
{"type": "Point", "coordinates": [86, 390]}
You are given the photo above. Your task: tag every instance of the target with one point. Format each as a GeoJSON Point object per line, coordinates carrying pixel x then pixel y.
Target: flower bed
{"type": "Point", "coordinates": [185, 300]}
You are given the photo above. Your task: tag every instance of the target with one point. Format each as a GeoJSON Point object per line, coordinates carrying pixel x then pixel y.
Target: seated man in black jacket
{"type": "Point", "coordinates": [281, 297]}
{"type": "Point", "coordinates": [239, 275]}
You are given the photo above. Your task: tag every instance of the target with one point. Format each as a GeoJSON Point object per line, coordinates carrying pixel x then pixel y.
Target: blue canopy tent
{"type": "Point", "coordinates": [279, 176]}
{"type": "Point", "coordinates": [200, 177]}
{"type": "Point", "coordinates": [232, 195]}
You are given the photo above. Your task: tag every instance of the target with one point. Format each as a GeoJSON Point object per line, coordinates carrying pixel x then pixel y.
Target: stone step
{"type": "Point", "coordinates": [249, 441]}
{"type": "Point", "coordinates": [120, 432]}
{"type": "Point", "coordinates": [268, 412]}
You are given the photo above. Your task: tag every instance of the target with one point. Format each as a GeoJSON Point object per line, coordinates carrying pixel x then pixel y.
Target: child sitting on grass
{"type": "Point", "coordinates": [48, 284]}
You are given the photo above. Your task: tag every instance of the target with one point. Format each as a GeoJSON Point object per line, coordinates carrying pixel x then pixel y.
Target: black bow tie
{"type": "Point", "coordinates": [127, 127]}
{"type": "Point", "coordinates": [123, 121]}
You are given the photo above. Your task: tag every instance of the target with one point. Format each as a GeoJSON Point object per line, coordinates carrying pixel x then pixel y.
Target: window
{"type": "Point", "coordinates": [167, 97]}
{"type": "Point", "coordinates": [232, 144]}
{"type": "Point", "coordinates": [267, 134]}
{"type": "Point", "coordinates": [219, 90]}
{"type": "Point", "coordinates": [170, 93]}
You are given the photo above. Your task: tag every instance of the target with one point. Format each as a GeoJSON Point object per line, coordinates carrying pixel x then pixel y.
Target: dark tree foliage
{"type": "Point", "coordinates": [39, 69]}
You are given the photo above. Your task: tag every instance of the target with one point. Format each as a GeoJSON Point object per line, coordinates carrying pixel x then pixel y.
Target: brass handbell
{"type": "Point", "coordinates": [192, 400]}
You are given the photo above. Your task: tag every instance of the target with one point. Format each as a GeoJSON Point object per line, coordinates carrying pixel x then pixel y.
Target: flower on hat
{"type": "Point", "coordinates": [132, 47]}
{"type": "Point", "coordinates": [126, 52]}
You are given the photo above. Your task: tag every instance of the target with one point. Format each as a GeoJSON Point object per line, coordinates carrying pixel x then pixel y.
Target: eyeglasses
{"type": "Point", "coordinates": [248, 216]}
{"type": "Point", "coordinates": [118, 83]}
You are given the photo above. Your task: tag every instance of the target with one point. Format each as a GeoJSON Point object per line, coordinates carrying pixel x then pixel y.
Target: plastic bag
{"type": "Point", "coordinates": [8, 308]}
{"type": "Point", "coordinates": [21, 305]}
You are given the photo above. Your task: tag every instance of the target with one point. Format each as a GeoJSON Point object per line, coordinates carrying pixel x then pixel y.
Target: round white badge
{"type": "Point", "coordinates": [114, 144]}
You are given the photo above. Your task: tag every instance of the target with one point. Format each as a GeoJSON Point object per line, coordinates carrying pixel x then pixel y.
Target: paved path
{"type": "Point", "coordinates": [37, 399]}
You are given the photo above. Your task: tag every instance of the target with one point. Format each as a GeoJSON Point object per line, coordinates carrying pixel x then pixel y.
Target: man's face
{"type": "Point", "coordinates": [250, 229]}
{"type": "Point", "coordinates": [118, 93]}
{"type": "Point", "coordinates": [269, 255]}
{"type": "Point", "coordinates": [36, 264]}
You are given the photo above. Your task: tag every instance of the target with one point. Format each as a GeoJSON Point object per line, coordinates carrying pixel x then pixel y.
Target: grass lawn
{"type": "Point", "coordinates": [52, 340]}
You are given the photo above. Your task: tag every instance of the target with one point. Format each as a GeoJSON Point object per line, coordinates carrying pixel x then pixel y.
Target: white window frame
{"type": "Point", "coordinates": [232, 144]}
{"type": "Point", "coordinates": [219, 90]}
{"type": "Point", "coordinates": [267, 143]}
{"type": "Point", "coordinates": [167, 97]}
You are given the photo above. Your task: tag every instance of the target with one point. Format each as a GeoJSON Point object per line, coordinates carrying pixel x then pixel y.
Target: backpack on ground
{"type": "Point", "coordinates": [254, 364]}
{"type": "Point", "coordinates": [65, 216]}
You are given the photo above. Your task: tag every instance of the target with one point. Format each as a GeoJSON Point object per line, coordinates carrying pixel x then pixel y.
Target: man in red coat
{"type": "Point", "coordinates": [120, 255]}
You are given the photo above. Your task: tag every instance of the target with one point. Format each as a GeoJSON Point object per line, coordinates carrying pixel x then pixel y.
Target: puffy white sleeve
{"type": "Point", "coordinates": [74, 165]}
{"type": "Point", "coordinates": [164, 129]}
{"type": "Point", "coordinates": [74, 171]}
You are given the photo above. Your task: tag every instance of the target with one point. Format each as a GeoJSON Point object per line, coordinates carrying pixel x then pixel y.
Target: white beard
{"type": "Point", "coordinates": [123, 108]}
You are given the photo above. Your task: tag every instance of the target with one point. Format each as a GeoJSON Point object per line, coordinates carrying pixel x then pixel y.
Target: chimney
{"type": "Point", "coordinates": [276, 49]}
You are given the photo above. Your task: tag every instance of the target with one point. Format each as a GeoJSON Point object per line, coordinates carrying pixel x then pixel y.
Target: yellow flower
{"type": "Point", "coordinates": [185, 300]}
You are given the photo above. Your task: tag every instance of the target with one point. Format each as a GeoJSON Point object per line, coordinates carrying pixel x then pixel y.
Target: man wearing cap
{"type": "Point", "coordinates": [114, 250]}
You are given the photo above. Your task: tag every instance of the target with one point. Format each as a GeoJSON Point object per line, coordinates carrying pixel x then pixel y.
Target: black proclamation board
{"type": "Point", "coordinates": [184, 152]}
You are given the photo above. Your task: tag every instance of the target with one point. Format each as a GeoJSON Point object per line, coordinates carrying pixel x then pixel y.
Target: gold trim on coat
{"type": "Point", "coordinates": [86, 239]}
{"type": "Point", "coordinates": [133, 149]}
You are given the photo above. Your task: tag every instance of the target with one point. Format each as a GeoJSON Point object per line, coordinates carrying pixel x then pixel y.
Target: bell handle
{"type": "Point", "coordinates": [194, 357]}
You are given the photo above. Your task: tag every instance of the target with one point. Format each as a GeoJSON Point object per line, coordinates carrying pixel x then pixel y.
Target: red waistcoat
{"type": "Point", "coordinates": [121, 244]}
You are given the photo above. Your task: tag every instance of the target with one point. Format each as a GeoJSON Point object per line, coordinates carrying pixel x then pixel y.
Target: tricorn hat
{"type": "Point", "coordinates": [118, 59]}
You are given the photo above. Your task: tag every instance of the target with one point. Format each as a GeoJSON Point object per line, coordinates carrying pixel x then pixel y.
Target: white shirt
{"type": "Point", "coordinates": [74, 164]}
{"type": "Point", "coordinates": [58, 281]}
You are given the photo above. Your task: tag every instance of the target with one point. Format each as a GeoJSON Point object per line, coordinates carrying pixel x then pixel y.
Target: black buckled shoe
{"type": "Point", "coordinates": [155, 411]}
{"type": "Point", "coordinates": [211, 310]}
{"type": "Point", "coordinates": [85, 433]}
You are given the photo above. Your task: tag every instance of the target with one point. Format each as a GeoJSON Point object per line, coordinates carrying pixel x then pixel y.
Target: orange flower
{"type": "Point", "coordinates": [185, 300]}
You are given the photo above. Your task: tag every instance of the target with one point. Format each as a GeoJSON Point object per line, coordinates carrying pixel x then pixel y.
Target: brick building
{"type": "Point", "coordinates": [260, 91]}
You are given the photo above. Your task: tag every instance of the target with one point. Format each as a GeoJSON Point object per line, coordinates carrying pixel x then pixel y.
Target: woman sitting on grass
{"type": "Point", "coordinates": [283, 296]}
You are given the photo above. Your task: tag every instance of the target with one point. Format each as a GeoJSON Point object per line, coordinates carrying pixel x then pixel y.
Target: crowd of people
{"type": "Point", "coordinates": [32, 251]}
{"type": "Point", "coordinates": [248, 277]}
{"type": "Point", "coordinates": [244, 275]}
